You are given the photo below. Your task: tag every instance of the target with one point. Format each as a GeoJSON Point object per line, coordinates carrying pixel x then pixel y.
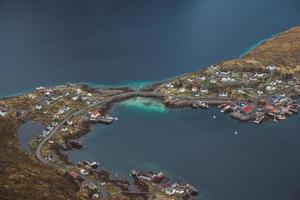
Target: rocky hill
{"type": "Point", "coordinates": [23, 177]}
{"type": "Point", "coordinates": [283, 51]}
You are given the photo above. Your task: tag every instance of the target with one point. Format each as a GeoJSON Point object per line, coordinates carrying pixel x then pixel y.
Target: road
{"type": "Point", "coordinates": [78, 112]}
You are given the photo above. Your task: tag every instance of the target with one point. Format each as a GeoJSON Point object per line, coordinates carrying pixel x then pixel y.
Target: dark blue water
{"type": "Point", "coordinates": [117, 41]}
{"type": "Point", "coordinates": [261, 162]}
{"type": "Point", "coordinates": [27, 132]}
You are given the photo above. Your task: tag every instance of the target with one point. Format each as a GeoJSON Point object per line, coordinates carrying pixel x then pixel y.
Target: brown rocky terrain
{"type": "Point", "coordinates": [282, 51]}
{"type": "Point", "coordinates": [23, 177]}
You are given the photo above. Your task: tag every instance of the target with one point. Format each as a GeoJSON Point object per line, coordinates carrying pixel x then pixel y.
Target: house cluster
{"type": "Point", "coordinates": [200, 85]}
{"type": "Point", "coordinates": [168, 187]}
{"type": "Point", "coordinates": [48, 96]}
{"type": "Point", "coordinates": [3, 113]}
{"type": "Point", "coordinates": [148, 176]}
{"type": "Point", "coordinates": [46, 131]}
{"type": "Point", "coordinates": [277, 107]}
{"type": "Point", "coordinates": [82, 182]}
{"type": "Point", "coordinates": [273, 85]}
{"type": "Point", "coordinates": [97, 117]}
{"type": "Point", "coordinates": [182, 189]}
{"type": "Point", "coordinates": [80, 95]}
{"type": "Point", "coordinates": [253, 77]}
{"type": "Point", "coordinates": [193, 88]}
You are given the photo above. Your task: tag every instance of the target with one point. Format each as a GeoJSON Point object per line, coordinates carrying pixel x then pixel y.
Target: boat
{"type": "Point", "coordinates": [92, 163]}
{"type": "Point", "coordinates": [280, 117]}
{"type": "Point", "coordinates": [294, 110]}
{"type": "Point", "coordinates": [222, 105]}
{"type": "Point", "coordinates": [259, 119]}
{"type": "Point", "coordinates": [75, 143]}
{"type": "Point", "coordinates": [203, 105]}
{"type": "Point", "coordinates": [184, 189]}
{"type": "Point", "coordinates": [101, 119]}
{"type": "Point", "coordinates": [148, 176]}
{"type": "Point", "coordinates": [225, 109]}
{"type": "Point", "coordinates": [289, 112]}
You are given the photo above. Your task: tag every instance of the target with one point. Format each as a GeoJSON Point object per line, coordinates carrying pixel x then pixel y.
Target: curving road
{"type": "Point", "coordinates": [69, 116]}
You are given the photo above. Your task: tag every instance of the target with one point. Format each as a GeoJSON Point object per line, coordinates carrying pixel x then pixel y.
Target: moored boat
{"type": "Point", "coordinates": [226, 109]}
{"type": "Point", "coordinates": [259, 119]}
{"type": "Point", "coordinates": [148, 176]}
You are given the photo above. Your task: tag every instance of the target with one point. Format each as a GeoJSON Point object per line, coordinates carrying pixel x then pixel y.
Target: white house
{"type": "Point", "coordinates": [75, 98]}
{"type": "Point", "coordinates": [252, 79]}
{"type": "Point", "coordinates": [204, 90]}
{"type": "Point", "coordinates": [194, 88]}
{"type": "Point", "coordinates": [241, 91]}
{"type": "Point", "coordinates": [38, 107]}
{"type": "Point", "coordinates": [271, 67]}
{"type": "Point", "coordinates": [227, 79]}
{"type": "Point", "coordinates": [85, 98]}
{"type": "Point", "coordinates": [64, 129]}
{"type": "Point", "coordinates": [2, 114]}
{"type": "Point", "coordinates": [47, 93]}
{"type": "Point", "coordinates": [182, 89]}
{"type": "Point", "coordinates": [95, 115]}
{"type": "Point", "coordinates": [169, 85]}
{"type": "Point", "coordinates": [202, 78]}
{"type": "Point", "coordinates": [40, 88]}
{"type": "Point", "coordinates": [190, 80]}
{"type": "Point", "coordinates": [224, 73]}
{"type": "Point", "coordinates": [259, 92]}
{"type": "Point", "coordinates": [223, 94]}
{"type": "Point", "coordinates": [270, 88]}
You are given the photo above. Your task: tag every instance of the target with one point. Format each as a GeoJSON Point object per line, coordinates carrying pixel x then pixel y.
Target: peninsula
{"type": "Point", "coordinates": [260, 86]}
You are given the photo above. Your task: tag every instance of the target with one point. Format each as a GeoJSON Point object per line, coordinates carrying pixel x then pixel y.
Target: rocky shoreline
{"type": "Point", "coordinates": [260, 86]}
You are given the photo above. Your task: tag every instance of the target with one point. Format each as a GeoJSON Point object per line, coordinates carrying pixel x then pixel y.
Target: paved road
{"type": "Point", "coordinates": [69, 116]}
{"type": "Point", "coordinates": [78, 112]}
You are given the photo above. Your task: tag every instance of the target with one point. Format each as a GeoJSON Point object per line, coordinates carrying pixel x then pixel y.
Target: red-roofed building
{"type": "Point", "coordinates": [271, 108]}
{"type": "Point", "coordinates": [95, 115]}
{"type": "Point", "coordinates": [247, 109]}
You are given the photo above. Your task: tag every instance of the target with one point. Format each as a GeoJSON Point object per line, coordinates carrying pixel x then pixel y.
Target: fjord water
{"type": "Point", "coordinates": [27, 132]}
{"type": "Point", "coordinates": [116, 42]}
{"type": "Point", "coordinates": [261, 162]}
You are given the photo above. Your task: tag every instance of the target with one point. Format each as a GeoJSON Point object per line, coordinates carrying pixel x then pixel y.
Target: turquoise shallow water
{"type": "Point", "coordinates": [145, 105]}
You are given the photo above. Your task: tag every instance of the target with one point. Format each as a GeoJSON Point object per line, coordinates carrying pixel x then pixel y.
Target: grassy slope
{"type": "Point", "coordinates": [282, 51]}
{"type": "Point", "coordinates": [22, 177]}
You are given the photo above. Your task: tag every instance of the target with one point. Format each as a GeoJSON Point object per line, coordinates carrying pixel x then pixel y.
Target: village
{"type": "Point", "coordinates": [248, 96]}
{"type": "Point", "coordinates": [58, 109]}
{"type": "Point", "coordinates": [69, 111]}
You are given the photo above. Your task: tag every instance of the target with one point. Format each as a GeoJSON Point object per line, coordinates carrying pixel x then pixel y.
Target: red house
{"type": "Point", "coordinates": [247, 109]}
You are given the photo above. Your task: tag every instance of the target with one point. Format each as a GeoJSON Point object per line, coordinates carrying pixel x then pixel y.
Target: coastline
{"type": "Point", "coordinates": [259, 43]}
{"type": "Point", "coordinates": [103, 101]}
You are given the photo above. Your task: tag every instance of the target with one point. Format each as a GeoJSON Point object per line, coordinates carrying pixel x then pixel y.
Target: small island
{"type": "Point", "coordinates": [262, 85]}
